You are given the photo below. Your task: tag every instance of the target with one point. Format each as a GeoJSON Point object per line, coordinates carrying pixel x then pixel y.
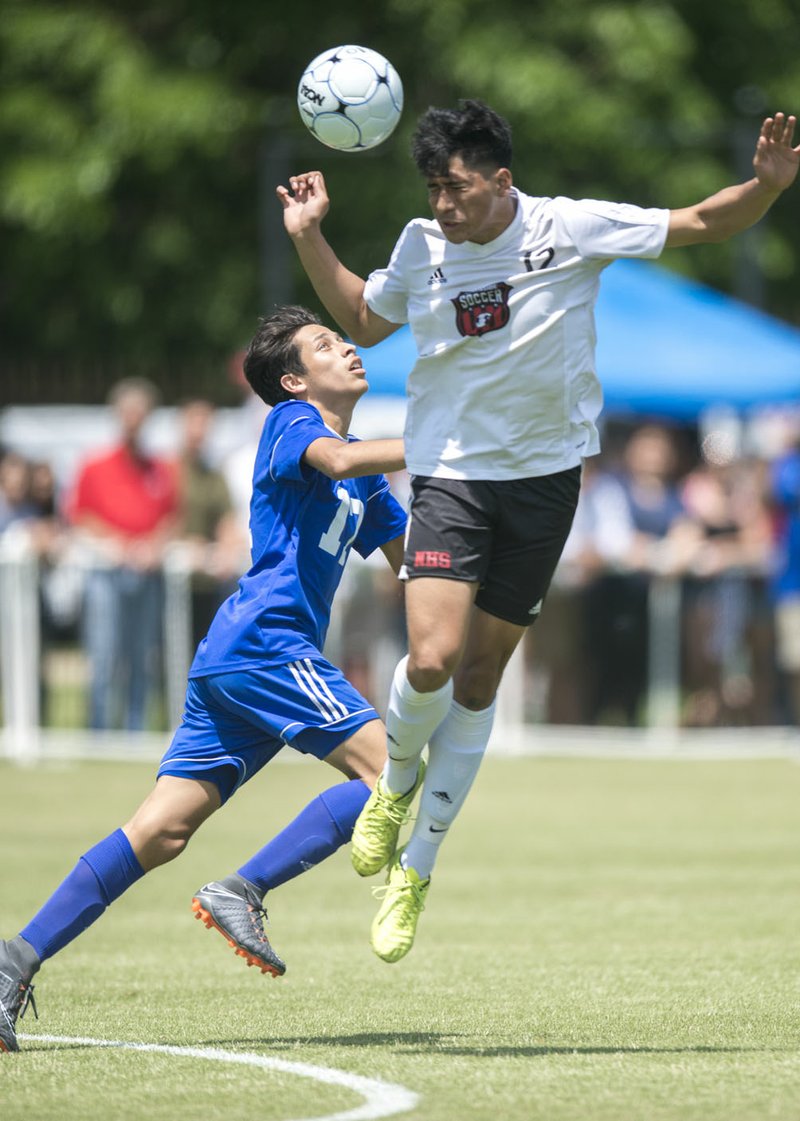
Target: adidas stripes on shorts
{"type": "Point", "coordinates": [234, 723]}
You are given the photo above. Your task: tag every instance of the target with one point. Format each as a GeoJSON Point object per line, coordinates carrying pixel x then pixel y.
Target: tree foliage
{"type": "Point", "coordinates": [140, 144]}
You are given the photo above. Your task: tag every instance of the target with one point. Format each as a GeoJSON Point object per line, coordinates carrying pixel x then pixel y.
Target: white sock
{"type": "Point", "coordinates": [454, 757]}
{"type": "Point", "coordinates": [410, 721]}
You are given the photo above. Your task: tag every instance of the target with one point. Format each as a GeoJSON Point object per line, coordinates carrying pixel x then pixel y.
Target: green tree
{"type": "Point", "coordinates": [656, 102]}
{"type": "Point", "coordinates": [140, 144]}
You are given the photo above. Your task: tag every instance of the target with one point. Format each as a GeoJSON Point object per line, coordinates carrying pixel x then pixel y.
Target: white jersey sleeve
{"type": "Point", "coordinates": [386, 290]}
{"type": "Point", "coordinates": [606, 230]}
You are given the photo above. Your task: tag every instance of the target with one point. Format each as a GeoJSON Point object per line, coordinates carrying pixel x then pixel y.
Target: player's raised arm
{"type": "Point", "coordinates": [736, 208]}
{"type": "Point", "coordinates": [305, 204]}
{"type": "Point", "coordinates": [340, 460]}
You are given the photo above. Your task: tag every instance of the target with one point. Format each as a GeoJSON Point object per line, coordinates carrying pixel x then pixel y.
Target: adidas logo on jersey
{"type": "Point", "coordinates": [436, 278]}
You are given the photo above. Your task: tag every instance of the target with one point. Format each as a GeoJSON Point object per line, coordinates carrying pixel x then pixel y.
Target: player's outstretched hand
{"type": "Point", "coordinates": [776, 162]}
{"type": "Point", "coordinates": [306, 202]}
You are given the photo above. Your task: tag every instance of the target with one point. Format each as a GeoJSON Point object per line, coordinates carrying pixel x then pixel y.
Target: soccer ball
{"type": "Point", "coordinates": [350, 97]}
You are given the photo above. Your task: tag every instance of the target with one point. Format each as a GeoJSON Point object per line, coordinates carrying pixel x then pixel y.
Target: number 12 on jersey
{"type": "Point", "coordinates": [333, 539]}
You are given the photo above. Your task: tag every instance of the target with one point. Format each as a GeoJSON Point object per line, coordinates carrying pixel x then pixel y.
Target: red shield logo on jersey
{"type": "Point", "coordinates": [483, 310]}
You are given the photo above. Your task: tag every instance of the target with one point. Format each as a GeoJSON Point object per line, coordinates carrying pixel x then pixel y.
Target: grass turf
{"type": "Point", "coordinates": [604, 941]}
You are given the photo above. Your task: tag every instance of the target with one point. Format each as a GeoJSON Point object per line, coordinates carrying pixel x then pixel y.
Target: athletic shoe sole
{"type": "Point", "coordinates": [201, 913]}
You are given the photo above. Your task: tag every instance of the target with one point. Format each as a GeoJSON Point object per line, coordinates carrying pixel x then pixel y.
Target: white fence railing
{"type": "Point", "coordinates": [19, 645]}
{"type": "Point", "coordinates": [24, 666]}
{"type": "Point", "coordinates": [22, 656]}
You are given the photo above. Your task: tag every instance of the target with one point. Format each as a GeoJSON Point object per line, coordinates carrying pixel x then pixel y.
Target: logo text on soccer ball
{"type": "Point", "coordinates": [312, 95]}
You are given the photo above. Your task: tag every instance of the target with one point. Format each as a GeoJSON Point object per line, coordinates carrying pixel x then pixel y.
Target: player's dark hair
{"type": "Point", "coordinates": [273, 352]}
{"type": "Point", "coordinates": [473, 131]}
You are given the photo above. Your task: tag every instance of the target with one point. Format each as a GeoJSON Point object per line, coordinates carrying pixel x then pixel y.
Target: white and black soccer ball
{"type": "Point", "coordinates": [350, 98]}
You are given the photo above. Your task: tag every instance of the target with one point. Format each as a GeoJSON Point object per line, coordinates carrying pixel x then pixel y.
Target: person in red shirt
{"type": "Point", "coordinates": [125, 504]}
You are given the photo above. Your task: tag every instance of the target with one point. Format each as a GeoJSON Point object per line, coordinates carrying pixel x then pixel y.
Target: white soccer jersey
{"type": "Point", "coordinates": [504, 386]}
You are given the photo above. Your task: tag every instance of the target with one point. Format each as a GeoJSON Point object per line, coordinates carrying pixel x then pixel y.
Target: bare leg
{"type": "Point", "coordinates": [363, 755]}
{"type": "Point", "coordinates": [164, 823]}
{"type": "Point", "coordinates": [489, 645]}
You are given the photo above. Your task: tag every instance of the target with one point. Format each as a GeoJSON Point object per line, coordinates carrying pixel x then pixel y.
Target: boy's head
{"type": "Point", "coordinates": [473, 131]}
{"type": "Point", "coordinates": [273, 352]}
{"type": "Point", "coordinates": [465, 156]}
{"type": "Point", "coordinates": [295, 357]}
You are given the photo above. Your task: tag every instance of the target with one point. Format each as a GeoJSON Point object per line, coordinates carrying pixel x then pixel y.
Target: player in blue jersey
{"type": "Point", "coordinates": [258, 681]}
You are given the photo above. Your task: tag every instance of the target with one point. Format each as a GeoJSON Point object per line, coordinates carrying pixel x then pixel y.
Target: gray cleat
{"type": "Point", "coordinates": [16, 993]}
{"type": "Point", "coordinates": [232, 907]}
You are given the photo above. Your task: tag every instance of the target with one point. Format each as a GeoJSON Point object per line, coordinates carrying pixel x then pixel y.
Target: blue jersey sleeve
{"type": "Point", "coordinates": [291, 427]}
{"type": "Point", "coordinates": [384, 517]}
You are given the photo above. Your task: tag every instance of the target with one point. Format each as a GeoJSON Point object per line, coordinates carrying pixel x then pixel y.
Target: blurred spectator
{"type": "Point", "coordinates": [785, 489]}
{"type": "Point", "coordinates": [60, 584]}
{"type": "Point", "coordinates": [45, 526]}
{"type": "Point", "coordinates": [238, 467]}
{"type": "Point", "coordinates": [726, 640]}
{"type": "Point", "coordinates": [15, 490]}
{"type": "Point", "coordinates": [575, 622]}
{"type": "Point", "coordinates": [602, 533]}
{"type": "Point", "coordinates": [210, 527]}
{"type": "Point", "coordinates": [661, 541]}
{"type": "Point", "coordinates": [43, 490]}
{"type": "Point", "coordinates": [28, 502]}
{"type": "Point", "coordinates": [665, 537]}
{"type": "Point", "coordinates": [125, 505]}
{"type": "Point", "coordinates": [31, 510]}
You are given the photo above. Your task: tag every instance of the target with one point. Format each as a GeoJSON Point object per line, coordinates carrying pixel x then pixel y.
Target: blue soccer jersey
{"type": "Point", "coordinates": [303, 525]}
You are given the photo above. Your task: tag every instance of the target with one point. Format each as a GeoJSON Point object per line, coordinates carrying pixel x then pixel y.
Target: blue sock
{"type": "Point", "coordinates": [100, 876]}
{"type": "Point", "coordinates": [317, 832]}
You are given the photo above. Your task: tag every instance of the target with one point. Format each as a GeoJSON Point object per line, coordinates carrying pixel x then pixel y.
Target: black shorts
{"type": "Point", "coordinates": [506, 536]}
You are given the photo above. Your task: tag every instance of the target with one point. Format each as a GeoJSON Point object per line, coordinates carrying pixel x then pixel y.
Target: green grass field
{"type": "Point", "coordinates": [604, 941]}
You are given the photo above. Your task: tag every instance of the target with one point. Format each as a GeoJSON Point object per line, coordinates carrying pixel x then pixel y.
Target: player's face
{"type": "Point", "coordinates": [471, 206]}
{"type": "Point", "coordinates": [333, 369]}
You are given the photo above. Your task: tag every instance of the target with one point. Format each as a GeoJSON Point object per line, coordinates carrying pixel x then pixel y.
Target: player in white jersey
{"type": "Point", "coordinates": [499, 290]}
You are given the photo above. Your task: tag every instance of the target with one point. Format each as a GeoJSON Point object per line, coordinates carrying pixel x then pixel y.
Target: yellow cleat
{"type": "Point", "coordinates": [378, 826]}
{"type": "Point", "coordinates": [395, 924]}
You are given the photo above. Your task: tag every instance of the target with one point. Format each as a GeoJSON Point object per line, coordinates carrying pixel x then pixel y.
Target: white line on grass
{"type": "Point", "coordinates": [381, 1099]}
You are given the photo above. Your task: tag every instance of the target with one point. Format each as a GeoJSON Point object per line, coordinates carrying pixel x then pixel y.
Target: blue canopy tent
{"type": "Point", "coordinates": [666, 346]}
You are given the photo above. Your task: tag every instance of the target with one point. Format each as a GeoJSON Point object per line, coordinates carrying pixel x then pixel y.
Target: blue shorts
{"type": "Point", "coordinates": [234, 723]}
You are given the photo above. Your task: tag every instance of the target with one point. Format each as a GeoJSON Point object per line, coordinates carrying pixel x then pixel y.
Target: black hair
{"type": "Point", "coordinates": [273, 352]}
{"type": "Point", "coordinates": [473, 131]}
